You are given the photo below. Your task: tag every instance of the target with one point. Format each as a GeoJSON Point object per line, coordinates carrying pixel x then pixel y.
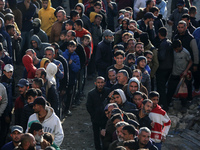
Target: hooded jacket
{"type": "Point", "coordinates": [83, 17]}
{"type": "Point", "coordinates": [41, 46]}
{"type": "Point", "coordinates": [50, 124]}
{"type": "Point", "coordinates": [42, 63]}
{"type": "Point", "coordinates": [30, 68]}
{"type": "Point", "coordinates": [126, 106]}
{"type": "Point", "coordinates": [51, 72]}
{"type": "Point", "coordinates": [129, 95]}
{"type": "Point", "coordinates": [7, 37]}
{"type": "Point", "coordinates": [47, 18]}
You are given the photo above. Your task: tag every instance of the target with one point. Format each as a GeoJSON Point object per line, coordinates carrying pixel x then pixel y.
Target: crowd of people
{"type": "Point", "coordinates": [125, 42]}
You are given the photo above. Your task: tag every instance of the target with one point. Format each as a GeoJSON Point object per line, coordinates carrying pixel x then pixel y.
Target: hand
{"type": "Point", "coordinates": [110, 95]}
{"type": "Point", "coordinates": [184, 73]}
{"type": "Point", "coordinates": [110, 5]}
{"type": "Point", "coordinates": [163, 138]}
{"type": "Point", "coordinates": [1, 62]}
{"type": "Point", "coordinates": [132, 27]}
{"type": "Point", "coordinates": [58, 66]}
{"type": "Point", "coordinates": [70, 61]}
{"type": "Point", "coordinates": [151, 24]}
{"type": "Point", "coordinates": [194, 68]}
{"type": "Point", "coordinates": [170, 22]}
{"type": "Point", "coordinates": [103, 132]}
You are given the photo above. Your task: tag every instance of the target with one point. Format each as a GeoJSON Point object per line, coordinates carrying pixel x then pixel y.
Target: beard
{"type": "Point", "coordinates": [38, 138]}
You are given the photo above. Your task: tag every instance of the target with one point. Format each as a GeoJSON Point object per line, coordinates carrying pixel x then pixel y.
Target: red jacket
{"type": "Point", "coordinates": [30, 68]}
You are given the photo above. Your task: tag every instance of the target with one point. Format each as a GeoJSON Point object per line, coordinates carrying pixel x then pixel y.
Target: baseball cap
{"type": "Point", "coordinates": [36, 22]}
{"type": "Point", "coordinates": [108, 32]}
{"type": "Point", "coordinates": [40, 101]}
{"type": "Point", "coordinates": [180, 3]}
{"type": "Point", "coordinates": [23, 82]}
{"type": "Point", "coordinates": [8, 68]}
{"type": "Point", "coordinates": [17, 128]}
{"type": "Point", "coordinates": [149, 15]}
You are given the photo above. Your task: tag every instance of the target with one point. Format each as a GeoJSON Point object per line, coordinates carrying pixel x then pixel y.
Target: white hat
{"type": "Point", "coordinates": [8, 68]}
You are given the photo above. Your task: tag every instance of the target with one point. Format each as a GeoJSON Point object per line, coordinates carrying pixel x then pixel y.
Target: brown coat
{"type": "Point", "coordinates": [55, 32]}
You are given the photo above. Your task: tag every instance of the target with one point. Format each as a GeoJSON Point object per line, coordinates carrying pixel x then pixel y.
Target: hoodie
{"type": "Point", "coordinates": [41, 46]}
{"type": "Point", "coordinates": [7, 37]}
{"type": "Point", "coordinates": [43, 61]}
{"type": "Point", "coordinates": [133, 79]}
{"type": "Point", "coordinates": [83, 17]}
{"type": "Point", "coordinates": [51, 72]}
{"type": "Point", "coordinates": [30, 68]}
{"type": "Point", "coordinates": [47, 18]}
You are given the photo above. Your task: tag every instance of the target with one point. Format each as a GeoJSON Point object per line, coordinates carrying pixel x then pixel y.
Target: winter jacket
{"type": "Point", "coordinates": [96, 32]}
{"type": "Point", "coordinates": [150, 145]}
{"type": "Point", "coordinates": [41, 46]}
{"type": "Point", "coordinates": [190, 44]}
{"type": "Point", "coordinates": [50, 124]}
{"type": "Point", "coordinates": [196, 35]}
{"type": "Point", "coordinates": [55, 32]}
{"type": "Point", "coordinates": [4, 99]}
{"type": "Point", "coordinates": [19, 105]}
{"type": "Point", "coordinates": [95, 105]}
{"type": "Point", "coordinates": [82, 55]}
{"type": "Point", "coordinates": [47, 18]}
{"type": "Point", "coordinates": [162, 6]}
{"type": "Point", "coordinates": [194, 22]}
{"type": "Point", "coordinates": [5, 58]}
{"type": "Point", "coordinates": [111, 14]}
{"type": "Point", "coordinates": [74, 67]}
{"type": "Point", "coordinates": [7, 37]}
{"type": "Point", "coordinates": [191, 28]}
{"type": "Point", "coordinates": [41, 34]}
{"type": "Point", "coordinates": [30, 68]}
{"type": "Point", "coordinates": [146, 81]}
{"type": "Point", "coordinates": [60, 72]}
{"type": "Point", "coordinates": [160, 118]}
{"type": "Point", "coordinates": [51, 72]}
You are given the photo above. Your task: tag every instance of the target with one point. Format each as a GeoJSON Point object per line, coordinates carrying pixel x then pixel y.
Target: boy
{"type": "Point", "coordinates": [69, 25]}
{"type": "Point", "coordinates": [160, 119]}
{"type": "Point", "coordinates": [181, 65]}
{"type": "Point", "coordinates": [192, 13]}
{"type": "Point", "coordinates": [85, 42]}
{"type": "Point", "coordinates": [137, 99]}
{"type": "Point", "coordinates": [63, 40]}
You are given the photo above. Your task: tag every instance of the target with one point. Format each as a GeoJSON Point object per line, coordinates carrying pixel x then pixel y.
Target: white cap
{"type": "Point", "coordinates": [8, 68]}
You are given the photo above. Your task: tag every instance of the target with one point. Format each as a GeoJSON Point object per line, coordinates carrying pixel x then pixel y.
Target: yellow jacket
{"type": "Point", "coordinates": [47, 18]}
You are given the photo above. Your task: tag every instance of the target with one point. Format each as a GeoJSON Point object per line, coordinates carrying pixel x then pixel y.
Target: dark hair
{"type": "Point", "coordinates": [97, 4]}
{"type": "Point", "coordinates": [43, 72]}
{"type": "Point", "coordinates": [137, 93]}
{"type": "Point", "coordinates": [131, 144]}
{"type": "Point", "coordinates": [148, 52]}
{"type": "Point", "coordinates": [73, 32]}
{"type": "Point", "coordinates": [31, 92]}
{"type": "Point", "coordinates": [146, 100]}
{"type": "Point", "coordinates": [39, 92]}
{"type": "Point", "coordinates": [79, 22]}
{"type": "Point", "coordinates": [186, 16]}
{"type": "Point", "coordinates": [176, 43]}
{"type": "Point", "coordinates": [148, 2]}
{"type": "Point", "coordinates": [128, 8]}
{"type": "Point", "coordinates": [163, 31]}
{"type": "Point", "coordinates": [130, 129]}
{"type": "Point", "coordinates": [55, 45]}
{"type": "Point", "coordinates": [73, 13]}
{"type": "Point", "coordinates": [139, 43]}
{"type": "Point", "coordinates": [72, 43]}
{"type": "Point", "coordinates": [116, 116]}
{"type": "Point", "coordinates": [153, 94]}
{"type": "Point", "coordinates": [39, 82]}
{"type": "Point", "coordinates": [119, 52]}
{"type": "Point", "coordinates": [64, 32]}
{"type": "Point", "coordinates": [69, 22]}
{"type": "Point", "coordinates": [115, 93]}
{"type": "Point", "coordinates": [154, 9]}
{"type": "Point", "coordinates": [119, 47]}
{"type": "Point", "coordinates": [125, 73]}
{"type": "Point", "coordinates": [86, 36]}
{"type": "Point", "coordinates": [49, 137]}
{"type": "Point", "coordinates": [98, 15]}
{"type": "Point", "coordinates": [8, 17]}
{"type": "Point", "coordinates": [192, 10]}
{"type": "Point", "coordinates": [9, 26]}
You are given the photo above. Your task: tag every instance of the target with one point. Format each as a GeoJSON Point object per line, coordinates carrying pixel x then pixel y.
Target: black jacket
{"type": "Point", "coordinates": [95, 105]}
{"type": "Point", "coordinates": [150, 145]}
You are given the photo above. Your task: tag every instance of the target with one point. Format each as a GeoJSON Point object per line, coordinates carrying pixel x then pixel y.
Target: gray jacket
{"type": "Point", "coordinates": [3, 99]}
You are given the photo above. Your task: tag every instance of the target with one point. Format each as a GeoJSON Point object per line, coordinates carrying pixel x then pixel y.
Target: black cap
{"type": "Point", "coordinates": [40, 101]}
{"type": "Point", "coordinates": [149, 15]}
{"type": "Point", "coordinates": [23, 82]}
{"type": "Point", "coordinates": [180, 3]}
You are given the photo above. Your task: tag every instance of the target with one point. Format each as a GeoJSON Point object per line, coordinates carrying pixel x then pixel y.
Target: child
{"type": "Point", "coordinates": [85, 42]}
{"type": "Point", "coordinates": [69, 25]}
{"type": "Point", "coordinates": [160, 119]}
{"type": "Point", "coordinates": [137, 99]}
{"type": "Point", "coordinates": [63, 40]}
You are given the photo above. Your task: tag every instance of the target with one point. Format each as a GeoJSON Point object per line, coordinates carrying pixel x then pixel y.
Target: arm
{"type": "Point", "coordinates": [59, 135]}
{"type": "Point", "coordinates": [75, 65]}
{"type": "Point", "coordinates": [194, 47]}
{"type": "Point", "coordinates": [60, 72]}
{"type": "Point", "coordinates": [188, 67]}
{"type": "Point", "coordinates": [167, 124]}
{"type": "Point", "coordinates": [163, 5]}
{"type": "Point", "coordinates": [155, 63]}
{"type": "Point", "coordinates": [137, 6]}
{"type": "Point", "coordinates": [4, 100]}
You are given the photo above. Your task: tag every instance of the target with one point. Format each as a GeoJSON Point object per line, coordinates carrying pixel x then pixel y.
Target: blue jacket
{"type": "Point", "coordinates": [74, 67]}
{"type": "Point", "coordinates": [60, 72]}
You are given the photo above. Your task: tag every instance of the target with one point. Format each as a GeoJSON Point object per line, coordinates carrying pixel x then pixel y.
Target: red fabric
{"type": "Point", "coordinates": [30, 68]}
{"type": "Point", "coordinates": [88, 53]}
{"type": "Point", "coordinates": [156, 135]}
{"type": "Point", "coordinates": [158, 110]}
{"type": "Point", "coordinates": [19, 103]}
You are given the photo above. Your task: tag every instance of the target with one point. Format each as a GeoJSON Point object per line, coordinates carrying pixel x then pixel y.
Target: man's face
{"type": "Point", "coordinates": [39, 135]}
{"type": "Point", "coordinates": [139, 49]}
{"type": "Point", "coordinates": [79, 9]}
{"type": "Point", "coordinates": [120, 133]}
{"type": "Point", "coordinates": [149, 58]}
{"type": "Point", "coordinates": [16, 136]}
{"type": "Point", "coordinates": [49, 54]}
{"type": "Point", "coordinates": [118, 99]}
{"type": "Point", "coordinates": [110, 38]}
{"type": "Point", "coordinates": [71, 48]}
{"type": "Point", "coordinates": [8, 74]}
{"type": "Point", "coordinates": [142, 64]}
{"type": "Point", "coordinates": [144, 138]}
{"type": "Point", "coordinates": [98, 20]}
{"type": "Point", "coordinates": [178, 49]}
{"type": "Point", "coordinates": [181, 28]}
{"type": "Point", "coordinates": [155, 101]}
{"type": "Point", "coordinates": [100, 84]}
{"type": "Point", "coordinates": [76, 27]}
{"type": "Point", "coordinates": [121, 78]}
{"type": "Point", "coordinates": [12, 32]}
{"type": "Point", "coordinates": [62, 37]}
{"type": "Point", "coordinates": [36, 108]}
{"type": "Point", "coordinates": [69, 36]}
{"type": "Point", "coordinates": [133, 87]}
{"type": "Point", "coordinates": [125, 38]}
{"type": "Point", "coordinates": [137, 99]}
{"type": "Point", "coordinates": [31, 99]}
{"type": "Point", "coordinates": [137, 75]}
{"type": "Point", "coordinates": [38, 74]}
{"type": "Point", "coordinates": [31, 54]}
{"type": "Point", "coordinates": [124, 25]}
{"type": "Point", "coordinates": [126, 135]}
{"type": "Point", "coordinates": [119, 59]}
{"type": "Point", "coordinates": [2, 5]}
{"type": "Point", "coordinates": [60, 16]}
{"type": "Point", "coordinates": [180, 8]}
{"type": "Point", "coordinates": [34, 85]}
{"type": "Point", "coordinates": [147, 108]}
{"type": "Point", "coordinates": [156, 13]}
{"type": "Point", "coordinates": [150, 5]}
{"type": "Point", "coordinates": [131, 45]}
{"type": "Point", "coordinates": [45, 4]}
{"type": "Point", "coordinates": [32, 144]}
{"type": "Point", "coordinates": [97, 9]}
{"type": "Point", "coordinates": [76, 17]}
{"type": "Point", "coordinates": [10, 21]}
{"type": "Point", "coordinates": [22, 90]}
{"type": "Point", "coordinates": [127, 15]}
{"type": "Point", "coordinates": [131, 62]}
{"type": "Point", "coordinates": [116, 121]}
{"type": "Point", "coordinates": [112, 76]}
{"type": "Point", "coordinates": [34, 44]}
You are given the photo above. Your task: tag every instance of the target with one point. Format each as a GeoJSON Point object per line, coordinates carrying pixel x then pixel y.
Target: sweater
{"type": "Point", "coordinates": [160, 118]}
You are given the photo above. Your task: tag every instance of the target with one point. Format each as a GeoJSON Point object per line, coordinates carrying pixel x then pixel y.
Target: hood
{"type": "Point", "coordinates": [3, 26]}
{"type": "Point", "coordinates": [82, 6]}
{"type": "Point", "coordinates": [36, 39]}
{"type": "Point", "coordinates": [51, 72]}
{"type": "Point", "coordinates": [49, 5]}
{"type": "Point", "coordinates": [121, 93]}
{"type": "Point", "coordinates": [133, 79]}
{"type": "Point", "coordinates": [50, 111]}
{"type": "Point", "coordinates": [43, 62]}
{"type": "Point", "coordinates": [28, 62]}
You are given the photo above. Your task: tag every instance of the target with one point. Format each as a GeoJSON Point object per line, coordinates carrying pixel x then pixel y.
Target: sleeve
{"type": "Point", "coordinates": [193, 45]}
{"type": "Point", "coordinates": [89, 104]}
{"type": "Point", "coordinates": [59, 134]}
{"type": "Point", "coordinates": [4, 100]}
{"type": "Point", "coordinates": [60, 73]}
{"type": "Point", "coordinates": [167, 124]}
{"type": "Point", "coordinates": [162, 10]}
{"type": "Point", "coordinates": [52, 34]}
{"type": "Point", "coordinates": [137, 6]}
{"type": "Point", "coordinates": [75, 65]}
{"type": "Point", "coordinates": [155, 63]}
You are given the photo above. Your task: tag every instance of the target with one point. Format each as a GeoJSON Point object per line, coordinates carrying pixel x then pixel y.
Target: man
{"type": "Point", "coordinates": [165, 58]}
{"type": "Point", "coordinates": [104, 53]}
{"type": "Point", "coordinates": [23, 86]}
{"type": "Point", "coordinates": [142, 114]}
{"type": "Point", "coordinates": [130, 46]}
{"type": "Point", "coordinates": [190, 27]}
{"type": "Point", "coordinates": [16, 133]}
{"type": "Point", "coordinates": [129, 132]}
{"type": "Point", "coordinates": [36, 60]}
{"type": "Point", "coordinates": [139, 49]}
{"type": "Point", "coordinates": [144, 141]}
{"type": "Point", "coordinates": [37, 131]}
{"type": "Point", "coordinates": [130, 61]}
{"type": "Point", "coordinates": [47, 17]}
{"type": "Point", "coordinates": [95, 107]}
{"type": "Point", "coordinates": [2, 6]}
{"type": "Point", "coordinates": [176, 15]}
{"type": "Point", "coordinates": [27, 142]}
{"type": "Point", "coordinates": [47, 117]}
{"type": "Point", "coordinates": [112, 78]}
{"type": "Point", "coordinates": [38, 46]}
{"type": "Point", "coordinates": [57, 26]}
